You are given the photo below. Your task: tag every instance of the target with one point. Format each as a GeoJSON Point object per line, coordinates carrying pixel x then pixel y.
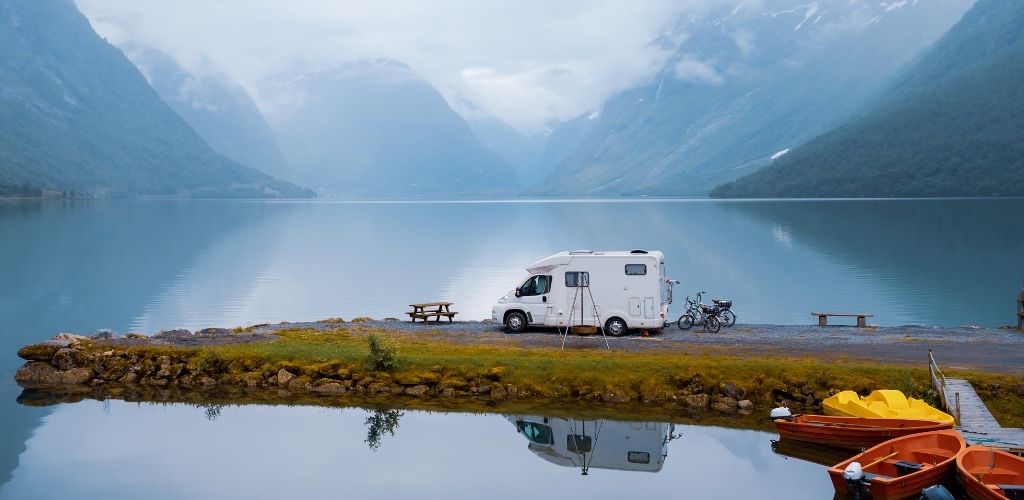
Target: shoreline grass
{"type": "Point", "coordinates": [578, 374]}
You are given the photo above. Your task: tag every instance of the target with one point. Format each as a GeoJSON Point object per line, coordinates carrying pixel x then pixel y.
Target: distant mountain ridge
{"type": "Point", "coordinates": [222, 112]}
{"type": "Point", "coordinates": [951, 125]}
{"type": "Point", "coordinates": [75, 114]}
{"type": "Point", "coordinates": [374, 128]}
{"type": "Point", "coordinates": [742, 85]}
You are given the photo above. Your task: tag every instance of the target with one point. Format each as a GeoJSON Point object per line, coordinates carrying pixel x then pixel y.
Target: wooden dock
{"type": "Point", "coordinates": [973, 419]}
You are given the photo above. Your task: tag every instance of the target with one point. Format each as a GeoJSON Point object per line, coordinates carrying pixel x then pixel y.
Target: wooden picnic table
{"type": "Point", "coordinates": [427, 309]}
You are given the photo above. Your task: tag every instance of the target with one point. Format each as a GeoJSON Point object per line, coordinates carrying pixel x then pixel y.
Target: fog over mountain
{"type": "Point", "coordinates": [221, 111]}
{"type": "Point", "coordinates": [75, 114]}
{"type": "Point", "coordinates": [460, 98]}
{"type": "Point", "coordinates": [376, 128]}
{"type": "Point", "coordinates": [747, 81]}
{"type": "Point", "coordinates": [950, 125]}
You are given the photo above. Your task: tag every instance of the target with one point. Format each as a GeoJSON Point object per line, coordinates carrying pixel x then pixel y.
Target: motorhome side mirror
{"type": "Point", "coordinates": [517, 292]}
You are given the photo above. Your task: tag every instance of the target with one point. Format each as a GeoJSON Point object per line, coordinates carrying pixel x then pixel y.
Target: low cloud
{"type": "Point", "coordinates": [525, 61]}
{"type": "Point", "coordinates": [692, 69]}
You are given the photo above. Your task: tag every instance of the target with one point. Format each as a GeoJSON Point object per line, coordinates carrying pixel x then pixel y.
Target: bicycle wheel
{"type": "Point", "coordinates": [685, 322]}
{"type": "Point", "coordinates": [712, 324]}
{"type": "Point", "coordinates": [728, 318]}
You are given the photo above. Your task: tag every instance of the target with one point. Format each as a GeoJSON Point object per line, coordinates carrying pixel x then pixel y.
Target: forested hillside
{"type": "Point", "coordinates": [951, 125]}
{"type": "Point", "coordinates": [75, 114]}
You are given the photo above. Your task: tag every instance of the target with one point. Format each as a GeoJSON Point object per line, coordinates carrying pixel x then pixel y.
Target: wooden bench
{"type": "Point", "coordinates": [861, 318]}
{"type": "Point", "coordinates": [437, 310]}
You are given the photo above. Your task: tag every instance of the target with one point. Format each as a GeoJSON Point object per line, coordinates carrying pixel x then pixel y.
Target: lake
{"type": "Point", "coordinates": [150, 265]}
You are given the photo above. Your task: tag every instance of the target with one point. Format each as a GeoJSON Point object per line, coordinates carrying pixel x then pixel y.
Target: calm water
{"type": "Point", "coordinates": [156, 265]}
{"type": "Point", "coordinates": [175, 452]}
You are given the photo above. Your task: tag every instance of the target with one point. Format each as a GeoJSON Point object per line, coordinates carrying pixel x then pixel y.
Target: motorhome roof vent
{"type": "Point", "coordinates": [638, 251]}
{"type": "Point", "coordinates": [581, 252]}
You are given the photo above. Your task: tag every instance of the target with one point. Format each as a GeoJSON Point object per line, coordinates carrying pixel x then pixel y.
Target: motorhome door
{"type": "Point", "coordinates": [533, 295]}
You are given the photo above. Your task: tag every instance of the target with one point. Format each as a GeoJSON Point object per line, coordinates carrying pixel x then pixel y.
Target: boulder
{"type": "Point", "coordinates": [103, 334]}
{"type": "Point", "coordinates": [498, 392]}
{"type": "Point", "coordinates": [77, 376]}
{"type": "Point", "coordinates": [213, 332]}
{"type": "Point", "coordinates": [42, 351]}
{"type": "Point", "coordinates": [330, 388]}
{"type": "Point", "coordinates": [40, 373]}
{"type": "Point", "coordinates": [417, 390]}
{"type": "Point", "coordinates": [722, 407]}
{"type": "Point", "coordinates": [745, 404]}
{"type": "Point", "coordinates": [70, 338]}
{"type": "Point", "coordinates": [407, 379]}
{"type": "Point", "coordinates": [697, 400]}
{"type": "Point", "coordinates": [284, 376]}
{"type": "Point", "coordinates": [732, 391]}
{"type": "Point", "coordinates": [301, 384]}
{"type": "Point", "coordinates": [177, 334]}
{"type": "Point", "coordinates": [727, 401]}
{"type": "Point", "coordinates": [63, 359]}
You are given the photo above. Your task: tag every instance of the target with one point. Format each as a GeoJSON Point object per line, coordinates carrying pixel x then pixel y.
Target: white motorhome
{"type": "Point", "coordinates": [617, 290]}
{"type": "Point", "coordinates": [601, 444]}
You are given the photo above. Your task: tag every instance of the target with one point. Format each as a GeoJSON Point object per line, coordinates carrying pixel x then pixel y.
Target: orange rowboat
{"type": "Point", "coordinates": [855, 433]}
{"type": "Point", "coordinates": [899, 468]}
{"type": "Point", "coordinates": [987, 473]}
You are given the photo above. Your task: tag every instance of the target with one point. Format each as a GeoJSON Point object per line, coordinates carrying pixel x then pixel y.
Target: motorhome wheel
{"type": "Point", "coordinates": [615, 327]}
{"type": "Point", "coordinates": [515, 321]}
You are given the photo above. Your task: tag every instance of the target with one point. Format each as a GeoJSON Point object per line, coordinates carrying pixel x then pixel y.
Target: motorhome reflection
{"type": "Point", "coordinates": [599, 444]}
{"type": "Point", "coordinates": [617, 290]}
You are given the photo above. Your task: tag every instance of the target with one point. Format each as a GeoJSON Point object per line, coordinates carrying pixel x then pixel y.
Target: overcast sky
{"type": "Point", "coordinates": [525, 61]}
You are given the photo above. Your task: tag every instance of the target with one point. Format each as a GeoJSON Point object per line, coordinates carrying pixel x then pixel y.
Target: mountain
{"type": "Point", "coordinates": [75, 114]}
{"type": "Point", "coordinates": [375, 128]}
{"type": "Point", "coordinates": [534, 157]}
{"type": "Point", "coordinates": [222, 112]}
{"type": "Point", "coordinates": [522, 152]}
{"type": "Point", "coordinates": [951, 125]}
{"type": "Point", "coordinates": [743, 82]}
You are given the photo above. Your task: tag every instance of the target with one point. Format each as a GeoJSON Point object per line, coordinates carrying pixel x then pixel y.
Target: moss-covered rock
{"type": "Point", "coordinates": [42, 351]}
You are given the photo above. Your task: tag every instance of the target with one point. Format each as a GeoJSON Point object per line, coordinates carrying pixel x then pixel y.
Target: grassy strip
{"type": "Point", "coordinates": [589, 373]}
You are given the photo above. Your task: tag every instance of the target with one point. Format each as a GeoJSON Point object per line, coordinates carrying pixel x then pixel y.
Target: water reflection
{"type": "Point", "coordinates": [379, 423]}
{"type": "Point", "coordinates": [810, 452]}
{"type": "Point", "coordinates": [602, 444]}
{"type": "Point", "coordinates": [81, 266]}
{"type": "Point", "coordinates": [170, 451]}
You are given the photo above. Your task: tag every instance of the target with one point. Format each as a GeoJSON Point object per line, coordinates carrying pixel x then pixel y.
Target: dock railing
{"type": "Point", "coordinates": [939, 381]}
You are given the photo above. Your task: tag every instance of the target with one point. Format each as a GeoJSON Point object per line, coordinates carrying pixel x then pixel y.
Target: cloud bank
{"type": "Point", "coordinates": [527, 62]}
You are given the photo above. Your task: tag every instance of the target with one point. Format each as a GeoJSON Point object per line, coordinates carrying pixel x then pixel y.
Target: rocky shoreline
{"type": "Point", "coordinates": [108, 365]}
{"type": "Point", "coordinates": [77, 365]}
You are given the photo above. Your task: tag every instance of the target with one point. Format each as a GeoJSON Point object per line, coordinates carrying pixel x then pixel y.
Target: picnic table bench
{"type": "Point", "coordinates": [861, 318]}
{"type": "Point", "coordinates": [431, 309]}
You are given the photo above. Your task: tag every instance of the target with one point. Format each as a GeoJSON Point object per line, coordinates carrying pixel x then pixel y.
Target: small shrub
{"type": "Point", "coordinates": [381, 356]}
{"type": "Point", "coordinates": [333, 321]}
{"type": "Point", "coordinates": [362, 319]}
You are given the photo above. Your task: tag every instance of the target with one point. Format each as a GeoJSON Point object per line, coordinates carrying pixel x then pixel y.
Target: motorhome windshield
{"type": "Point", "coordinates": [538, 433]}
{"type": "Point", "coordinates": [536, 285]}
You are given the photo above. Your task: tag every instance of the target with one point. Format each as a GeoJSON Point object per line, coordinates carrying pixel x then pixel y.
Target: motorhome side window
{"type": "Point", "coordinates": [636, 269]}
{"type": "Point", "coordinates": [536, 285]}
{"type": "Point", "coordinates": [574, 279]}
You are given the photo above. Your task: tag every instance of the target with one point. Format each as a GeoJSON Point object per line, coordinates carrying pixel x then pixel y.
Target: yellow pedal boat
{"type": "Point", "coordinates": [882, 404]}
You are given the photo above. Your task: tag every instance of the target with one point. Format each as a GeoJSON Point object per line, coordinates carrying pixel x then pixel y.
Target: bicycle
{"type": "Point", "coordinates": [697, 312]}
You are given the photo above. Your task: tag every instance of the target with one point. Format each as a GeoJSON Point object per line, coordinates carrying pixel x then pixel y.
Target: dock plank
{"type": "Point", "coordinates": [974, 420]}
